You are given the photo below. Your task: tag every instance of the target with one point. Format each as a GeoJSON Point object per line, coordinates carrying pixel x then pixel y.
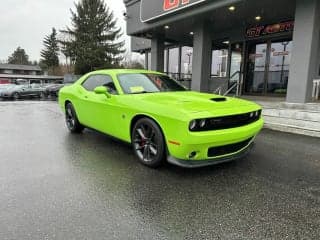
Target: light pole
{"type": "Point", "coordinates": [189, 54]}
{"type": "Point", "coordinates": [285, 44]}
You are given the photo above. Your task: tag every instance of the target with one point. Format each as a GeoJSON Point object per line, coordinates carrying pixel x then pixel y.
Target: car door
{"type": "Point", "coordinates": [23, 91]}
{"type": "Point", "coordinates": [97, 110]}
{"type": "Point", "coordinates": [30, 90]}
{"type": "Point", "coordinates": [36, 89]}
{"type": "Point", "coordinates": [27, 91]}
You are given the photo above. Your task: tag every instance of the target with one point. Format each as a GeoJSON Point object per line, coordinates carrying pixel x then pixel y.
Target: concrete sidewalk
{"type": "Point", "coordinates": [289, 117]}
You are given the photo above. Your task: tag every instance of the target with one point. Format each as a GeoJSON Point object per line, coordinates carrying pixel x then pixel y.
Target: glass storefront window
{"type": "Point", "coordinates": [256, 68]}
{"type": "Point", "coordinates": [236, 60]}
{"type": "Point", "coordinates": [173, 60]}
{"type": "Point", "coordinates": [219, 64]}
{"type": "Point", "coordinates": [268, 67]}
{"type": "Point", "coordinates": [235, 65]}
{"type": "Point", "coordinates": [165, 61]}
{"type": "Point", "coordinates": [149, 60]}
{"type": "Point", "coordinates": [280, 54]}
{"type": "Point", "coordinates": [173, 68]}
{"type": "Point", "coordinates": [186, 62]}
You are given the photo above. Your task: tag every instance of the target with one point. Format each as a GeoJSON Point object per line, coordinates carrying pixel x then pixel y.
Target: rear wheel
{"type": "Point", "coordinates": [72, 121]}
{"type": "Point", "coordinates": [148, 142]}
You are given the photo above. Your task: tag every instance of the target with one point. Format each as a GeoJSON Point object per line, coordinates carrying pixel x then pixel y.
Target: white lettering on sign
{"type": "Point", "coordinates": [285, 53]}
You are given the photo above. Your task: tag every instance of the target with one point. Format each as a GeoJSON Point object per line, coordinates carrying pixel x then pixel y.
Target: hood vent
{"type": "Point", "coordinates": [221, 99]}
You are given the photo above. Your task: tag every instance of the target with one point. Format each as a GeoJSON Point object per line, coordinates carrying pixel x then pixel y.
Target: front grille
{"type": "Point", "coordinates": [228, 149]}
{"type": "Point", "coordinates": [226, 122]}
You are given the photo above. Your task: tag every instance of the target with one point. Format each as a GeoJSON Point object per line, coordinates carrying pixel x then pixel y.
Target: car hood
{"type": "Point", "coordinates": [12, 89]}
{"type": "Point", "coordinates": [54, 87]}
{"type": "Point", "coordinates": [199, 104]}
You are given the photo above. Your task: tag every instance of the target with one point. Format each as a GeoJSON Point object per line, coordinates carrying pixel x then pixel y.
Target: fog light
{"type": "Point", "coordinates": [192, 154]}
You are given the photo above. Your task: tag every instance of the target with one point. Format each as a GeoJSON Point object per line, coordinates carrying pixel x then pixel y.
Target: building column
{"type": "Point", "coordinates": [157, 53]}
{"type": "Point", "coordinates": [179, 63]}
{"type": "Point", "coordinates": [146, 60]}
{"type": "Point", "coordinates": [304, 62]}
{"type": "Point", "coordinates": [201, 63]}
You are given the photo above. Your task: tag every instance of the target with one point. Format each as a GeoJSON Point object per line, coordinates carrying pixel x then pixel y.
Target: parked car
{"type": "Point", "coordinates": [4, 87]}
{"type": "Point", "coordinates": [22, 91]}
{"type": "Point", "coordinates": [160, 118]}
{"type": "Point", "coordinates": [52, 90]}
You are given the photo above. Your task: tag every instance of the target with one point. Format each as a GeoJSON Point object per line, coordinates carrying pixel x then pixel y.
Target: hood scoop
{"type": "Point", "coordinates": [219, 99]}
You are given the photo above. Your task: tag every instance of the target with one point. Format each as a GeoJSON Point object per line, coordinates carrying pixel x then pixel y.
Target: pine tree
{"type": "Point", "coordinates": [50, 53]}
{"type": "Point", "coordinates": [94, 38]}
{"type": "Point", "coordinates": [19, 56]}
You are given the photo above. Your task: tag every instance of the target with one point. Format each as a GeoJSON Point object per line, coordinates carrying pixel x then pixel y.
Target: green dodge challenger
{"type": "Point", "coordinates": [160, 118]}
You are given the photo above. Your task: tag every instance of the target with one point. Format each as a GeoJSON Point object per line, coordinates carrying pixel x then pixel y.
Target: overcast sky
{"type": "Point", "coordinates": [25, 23]}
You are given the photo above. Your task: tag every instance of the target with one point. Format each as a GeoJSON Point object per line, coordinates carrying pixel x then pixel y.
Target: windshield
{"type": "Point", "coordinates": [133, 83]}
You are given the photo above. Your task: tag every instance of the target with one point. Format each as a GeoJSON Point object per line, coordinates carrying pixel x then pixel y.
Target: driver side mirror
{"type": "Point", "coordinates": [102, 90]}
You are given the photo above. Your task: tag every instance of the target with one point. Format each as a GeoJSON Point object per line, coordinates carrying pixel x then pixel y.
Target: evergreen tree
{"type": "Point", "coordinates": [93, 38]}
{"type": "Point", "coordinates": [19, 56]}
{"type": "Point", "coordinates": [50, 53]}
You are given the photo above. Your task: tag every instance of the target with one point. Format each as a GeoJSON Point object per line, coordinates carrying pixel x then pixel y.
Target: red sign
{"type": "Point", "coordinates": [260, 31]}
{"type": "Point", "coordinates": [172, 4]}
{"type": "Point", "coordinates": [153, 9]}
{"type": "Point", "coordinates": [4, 80]}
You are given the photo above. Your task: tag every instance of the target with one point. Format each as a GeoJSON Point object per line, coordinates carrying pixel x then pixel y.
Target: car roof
{"type": "Point", "coordinates": [121, 71]}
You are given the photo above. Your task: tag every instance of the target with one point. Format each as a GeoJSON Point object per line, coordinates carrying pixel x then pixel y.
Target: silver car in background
{"type": "Point", "coordinates": [4, 87]}
{"type": "Point", "coordinates": [23, 91]}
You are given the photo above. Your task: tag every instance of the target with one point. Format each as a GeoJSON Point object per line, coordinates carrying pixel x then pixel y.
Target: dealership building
{"type": "Point", "coordinates": [264, 48]}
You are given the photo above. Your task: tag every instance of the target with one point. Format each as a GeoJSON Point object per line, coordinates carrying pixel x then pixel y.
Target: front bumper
{"type": "Point", "coordinates": [208, 162]}
{"type": "Point", "coordinates": [5, 95]}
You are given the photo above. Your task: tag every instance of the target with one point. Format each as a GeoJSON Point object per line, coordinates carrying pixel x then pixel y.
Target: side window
{"type": "Point", "coordinates": [99, 80]}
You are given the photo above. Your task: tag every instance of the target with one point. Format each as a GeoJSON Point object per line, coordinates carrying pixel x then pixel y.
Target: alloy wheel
{"type": "Point", "coordinates": [145, 142]}
{"type": "Point", "coordinates": [70, 119]}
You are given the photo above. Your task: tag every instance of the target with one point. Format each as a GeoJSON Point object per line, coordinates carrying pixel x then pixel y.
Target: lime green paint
{"type": "Point", "coordinates": [172, 111]}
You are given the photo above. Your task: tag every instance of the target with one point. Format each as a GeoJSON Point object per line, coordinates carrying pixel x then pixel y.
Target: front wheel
{"type": "Point", "coordinates": [72, 121]}
{"type": "Point", "coordinates": [42, 95]}
{"type": "Point", "coordinates": [148, 142]}
{"type": "Point", "coordinates": [16, 96]}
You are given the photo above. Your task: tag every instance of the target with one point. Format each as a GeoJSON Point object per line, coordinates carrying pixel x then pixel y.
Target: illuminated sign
{"type": "Point", "coordinates": [153, 9]}
{"type": "Point", "coordinates": [261, 31]}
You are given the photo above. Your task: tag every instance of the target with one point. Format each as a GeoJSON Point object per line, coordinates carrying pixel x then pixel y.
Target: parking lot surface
{"type": "Point", "coordinates": [54, 185]}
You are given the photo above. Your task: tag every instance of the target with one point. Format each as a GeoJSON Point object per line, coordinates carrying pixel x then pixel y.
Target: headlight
{"type": "Point", "coordinates": [193, 125]}
{"type": "Point", "coordinates": [202, 123]}
{"type": "Point", "coordinates": [197, 124]}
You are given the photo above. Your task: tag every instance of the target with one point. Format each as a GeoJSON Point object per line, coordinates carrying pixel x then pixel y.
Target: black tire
{"type": "Point", "coordinates": [16, 96]}
{"type": "Point", "coordinates": [42, 95]}
{"type": "Point", "coordinates": [148, 143]}
{"type": "Point", "coordinates": [72, 121]}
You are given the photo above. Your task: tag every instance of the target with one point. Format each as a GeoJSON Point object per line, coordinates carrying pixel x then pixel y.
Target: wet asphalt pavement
{"type": "Point", "coordinates": [54, 185]}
